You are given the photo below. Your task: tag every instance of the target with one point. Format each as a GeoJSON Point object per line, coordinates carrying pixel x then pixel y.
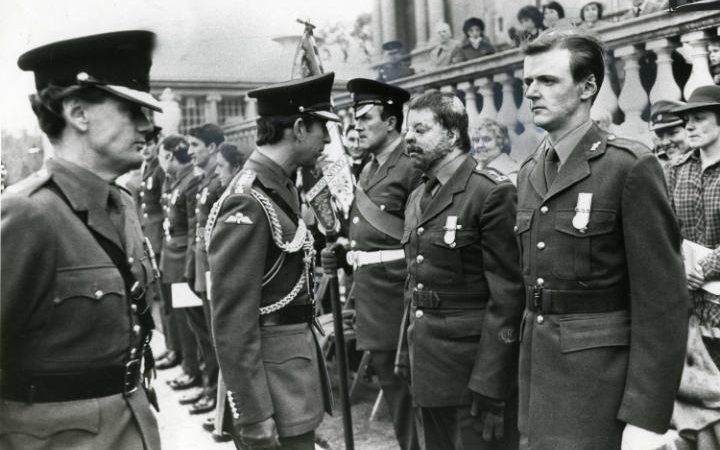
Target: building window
{"type": "Point", "coordinates": [193, 113]}
{"type": "Point", "coordinates": [229, 107]}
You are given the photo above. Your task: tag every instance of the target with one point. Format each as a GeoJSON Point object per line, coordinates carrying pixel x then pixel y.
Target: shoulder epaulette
{"type": "Point", "coordinates": [242, 184]}
{"type": "Point", "coordinates": [493, 174]}
{"type": "Point", "coordinates": [636, 148]}
{"type": "Point", "coordinates": [29, 184]}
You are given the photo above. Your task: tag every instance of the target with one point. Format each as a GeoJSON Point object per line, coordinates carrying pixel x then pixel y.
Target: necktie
{"type": "Point", "coordinates": [116, 211]}
{"type": "Point", "coordinates": [430, 184]}
{"type": "Point", "coordinates": [368, 171]}
{"type": "Point", "coordinates": [552, 164]}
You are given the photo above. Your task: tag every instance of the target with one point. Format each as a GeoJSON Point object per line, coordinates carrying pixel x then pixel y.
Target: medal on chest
{"type": "Point", "coordinates": [451, 227]}
{"type": "Point", "coordinates": [204, 196]}
{"type": "Point", "coordinates": [149, 184]}
{"type": "Point", "coordinates": [582, 212]}
{"type": "Point", "coordinates": [175, 195]}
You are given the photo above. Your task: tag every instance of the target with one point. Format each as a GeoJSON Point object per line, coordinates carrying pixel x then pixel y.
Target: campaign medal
{"type": "Point", "coordinates": [204, 196]}
{"type": "Point", "coordinates": [450, 228]}
{"type": "Point", "coordinates": [149, 184]}
{"type": "Point", "coordinates": [582, 212]}
{"type": "Point", "coordinates": [175, 195]}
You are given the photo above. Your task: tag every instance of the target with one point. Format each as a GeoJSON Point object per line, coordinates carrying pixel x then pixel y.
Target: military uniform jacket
{"type": "Point", "coordinates": [63, 304]}
{"type": "Point", "coordinates": [179, 227]}
{"type": "Point", "coordinates": [392, 70]}
{"type": "Point", "coordinates": [269, 371]}
{"type": "Point", "coordinates": [150, 205]}
{"type": "Point", "coordinates": [379, 287]}
{"type": "Point", "coordinates": [466, 290]}
{"type": "Point", "coordinates": [617, 355]}
{"type": "Point", "coordinates": [208, 192]}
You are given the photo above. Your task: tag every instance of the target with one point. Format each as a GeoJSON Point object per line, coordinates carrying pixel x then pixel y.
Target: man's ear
{"type": "Point", "coordinates": [212, 148]}
{"type": "Point", "coordinates": [452, 136]}
{"type": "Point", "coordinates": [391, 122]}
{"type": "Point", "coordinates": [75, 114]}
{"type": "Point", "coordinates": [299, 129]}
{"type": "Point", "coordinates": [589, 87]}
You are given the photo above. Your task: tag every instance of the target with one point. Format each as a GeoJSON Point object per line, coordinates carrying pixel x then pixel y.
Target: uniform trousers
{"type": "Point", "coordinates": [452, 427]}
{"type": "Point", "coordinates": [186, 338]}
{"type": "Point", "coordinates": [302, 442]}
{"type": "Point", "coordinates": [197, 319]}
{"type": "Point", "coordinates": [397, 397]}
{"type": "Point", "coordinates": [169, 322]}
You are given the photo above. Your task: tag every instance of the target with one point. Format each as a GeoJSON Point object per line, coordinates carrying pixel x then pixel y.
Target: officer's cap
{"type": "Point", "coordinates": [366, 93]}
{"type": "Point", "coordinates": [704, 97]}
{"type": "Point", "coordinates": [310, 95]}
{"type": "Point", "coordinates": [662, 115]}
{"type": "Point", "coordinates": [117, 62]}
{"type": "Point", "coordinates": [392, 45]}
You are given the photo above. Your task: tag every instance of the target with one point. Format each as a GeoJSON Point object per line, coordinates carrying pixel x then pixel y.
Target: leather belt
{"type": "Point", "coordinates": [359, 258]}
{"type": "Point", "coordinates": [32, 387]}
{"type": "Point", "coordinates": [449, 300]}
{"type": "Point", "coordinates": [550, 301]}
{"type": "Point", "coordinates": [289, 315]}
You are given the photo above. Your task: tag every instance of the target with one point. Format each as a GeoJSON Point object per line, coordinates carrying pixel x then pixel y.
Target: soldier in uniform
{"type": "Point", "coordinates": [605, 327]}
{"type": "Point", "coordinates": [261, 263]}
{"type": "Point", "coordinates": [204, 142]}
{"type": "Point", "coordinates": [376, 227]}
{"type": "Point", "coordinates": [397, 66]}
{"type": "Point", "coordinates": [176, 259]}
{"type": "Point", "coordinates": [75, 273]}
{"type": "Point", "coordinates": [464, 285]}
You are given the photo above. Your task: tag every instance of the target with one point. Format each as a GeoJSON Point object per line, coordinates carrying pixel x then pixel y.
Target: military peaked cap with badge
{"type": "Point", "coordinates": [367, 93]}
{"type": "Point", "coordinates": [662, 114]}
{"type": "Point", "coordinates": [312, 95]}
{"type": "Point", "coordinates": [704, 97]}
{"type": "Point", "coordinates": [390, 46]}
{"type": "Point", "coordinates": [117, 62]}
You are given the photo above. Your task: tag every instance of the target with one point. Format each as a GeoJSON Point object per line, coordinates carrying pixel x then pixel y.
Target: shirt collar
{"type": "Point", "coordinates": [82, 187]}
{"type": "Point", "coordinates": [567, 142]}
{"type": "Point", "coordinates": [444, 172]}
{"type": "Point", "coordinates": [385, 152]}
{"type": "Point", "coordinates": [271, 173]}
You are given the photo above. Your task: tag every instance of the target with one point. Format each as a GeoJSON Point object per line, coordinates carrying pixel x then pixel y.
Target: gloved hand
{"type": "Point", "coordinates": [329, 258]}
{"type": "Point", "coordinates": [489, 414]}
{"type": "Point", "coordinates": [257, 436]}
{"type": "Point", "coordinates": [636, 438]}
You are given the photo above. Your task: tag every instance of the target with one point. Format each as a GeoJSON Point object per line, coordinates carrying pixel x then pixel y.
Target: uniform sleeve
{"type": "Point", "coordinates": [190, 204]}
{"type": "Point", "coordinates": [28, 264]}
{"type": "Point", "coordinates": [495, 369]}
{"type": "Point", "coordinates": [659, 299]}
{"type": "Point", "coordinates": [237, 255]}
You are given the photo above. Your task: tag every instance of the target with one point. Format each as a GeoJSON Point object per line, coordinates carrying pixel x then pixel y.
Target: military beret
{"type": "Point", "coordinates": [704, 97]}
{"type": "Point", "coordinates": [662, 115]}
{"type": "Point", "coordinates": [311, 95]}
{"type": "Point", "coordinates": [117, 62]}
{"type": "Point", "coordinates": [392, 45]}
{"type": "Point", "coordinates": [366, 93]}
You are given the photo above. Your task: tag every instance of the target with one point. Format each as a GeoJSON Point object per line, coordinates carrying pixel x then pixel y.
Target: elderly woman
{"type": "Point", "coordinates": [491, 148]}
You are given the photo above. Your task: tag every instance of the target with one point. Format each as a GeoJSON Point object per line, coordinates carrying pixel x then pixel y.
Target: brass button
{"type": "Point", "coordinates": [540, 319]}
{"type": "Point", "coordinates": [197, 196]}
{"type": "Point", "coordinates": [420, 286]}
{"type": "Point", "coordinates": [143, 205]}
{"type": "Point", "coordinates": [142, 194]}
{"type": "Point", "coordinates": [131, 260]}
{"type": "Point", "coordinates": [133, 352]}
{"type": "Point", "coordinates": [356, 219]}
{"type": "Point", "coordinates": [382, 207]}
{"type": "Point", "coordinates": [133, 308]}
{"type": "Point", "coordinates": [197, 210]}
{"type": "Point", "coordinates": [136, 329]}
{"type": "Point", "coordinates": [419, 313]}
{"type": "Point", "coordinates": [353, 244]}
{"type": "Point", "coordinates": [420, 259]}
{"type": "Point", "coordinates": [420, 231]}
{"type": "Point", "coordinates": [145, 215]}
{"type": "Point", "coordinates": [515, 228]}
{"type": "Point", "coordinates": [99, 293]}
{"type": "Point", "coordinates": [539, 281]}
{"type": "Point", "coordinates": [452, 244]}
{"type": "Point", "coordinates": [540, 245]}
{"type": "Point", "coordinates": [544, 209]}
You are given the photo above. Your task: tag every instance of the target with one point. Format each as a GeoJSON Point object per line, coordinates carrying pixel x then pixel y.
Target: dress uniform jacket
{"type": "Point", "coordinates": [269, 370]}
{"type": "Point", "coordinates": [466, 289]}
{"type": "Point", "coordinates": [179, 227]}
{"type": "Point", "coordinates": [379, 287]}
{"type": "Point", "coordinates": [604, 332]}
{"type": "Point", "coordinates": [208, 192]}
{"type": "Point", "coordinates": [151, 210]}
{"type": "Point", "coordinates": [65, 310]}
{"type": "Point", "coordinates": [393, 70]}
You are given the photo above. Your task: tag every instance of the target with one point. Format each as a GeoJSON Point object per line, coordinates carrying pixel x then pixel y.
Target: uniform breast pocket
{"type": "Point", "coordinates": [522, 230]}
{"type": "Point", "coordinates": [583, 253]}
{"type": "Point", "coordinates": [446, 253]}
{"type": "Point", "coordinates": [88, 284]}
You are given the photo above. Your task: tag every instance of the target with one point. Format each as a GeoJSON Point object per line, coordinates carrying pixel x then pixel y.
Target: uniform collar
{"type": "Point", "coordinates": [385, 152]}
{"type": "Point", "coordinates": [569, 141]}
{"type": "Point", "coordinates": [444, 172]}
{"type": "Point", "coordinates": [272, 176]}
{"type": "Point", "coordinates": [81, 187]}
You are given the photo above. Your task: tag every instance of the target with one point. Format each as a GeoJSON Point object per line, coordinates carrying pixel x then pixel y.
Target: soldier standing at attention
{"type": "Point", "coordinates": [261, 264]}
{"type": "Point", "coordinates": [383, 188]}
{"type": "Point", "coordinates": [605, 327]}
{"type": "Point", "coordinates": [464, 284]}
{"type": "Point", "coordinates": [75, 276]}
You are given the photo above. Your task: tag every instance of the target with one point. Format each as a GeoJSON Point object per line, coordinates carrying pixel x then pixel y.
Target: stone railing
{"type": "Point", "coordinates": [492, 85]}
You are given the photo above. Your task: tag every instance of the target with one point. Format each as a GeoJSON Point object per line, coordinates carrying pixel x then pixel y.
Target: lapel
{"type": "Point", "coordinates": [382, 171]}
{"type": "Point", "coordinates": [149, 169]}
{"type": "Point", "coordinates": [537, 172]}
{"type": "Point", "coordinates": [444, 196]}
{"type": "Point", "coordinates": [577, 168]}
{"type": "Point", "coordinates": [131, 224]}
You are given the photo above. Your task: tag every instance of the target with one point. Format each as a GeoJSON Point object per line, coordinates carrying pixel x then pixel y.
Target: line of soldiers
{"type": "Point", "coordinates": [551, 316]}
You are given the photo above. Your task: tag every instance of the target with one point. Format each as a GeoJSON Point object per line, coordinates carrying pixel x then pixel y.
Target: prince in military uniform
{"type": "Point", "coordinates": [605, 326]}
{"type": "Point", "coordinates": [75, 322]}
{"type": "Point", "coordinates": [464, 285]}
{"type": "Point", "coordinates": [261, 264]}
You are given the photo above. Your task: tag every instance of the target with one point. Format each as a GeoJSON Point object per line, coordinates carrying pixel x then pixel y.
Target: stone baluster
{"type": "Point", "coordinates": [633, 99]}
{"type": "Point", "coordinates": [485, 89]}
{"type": "Point", "coordinates": [250, 108]}
{"type": "Point", "coordinates": [524, 115]}
{"type": "Point", "coordinates": [696, 42]}
{"type": "Point", "coordinates": [447, 89]}
{"type": "Point", "coordinates": [211, 107]}
{"type": "Point", "coordinates": [507, 115]}
{"type": "Point", "coordinates": [470, 102]}
{"type": "Point", "coordinates": [665, 87]}
{"type": "Point", "coordinates": [606, 102]}
{"type": "Point", "coordinates": [389, 20]}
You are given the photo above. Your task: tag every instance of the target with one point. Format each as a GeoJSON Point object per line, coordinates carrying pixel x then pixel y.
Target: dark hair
{"type": "Point", "coordinates": [232, 154]}
{"type": "Point", "coordinates": [208, 133]}
{"type": "Point", "coordinates": [599, 8]}
{"type": "Point", "coordinates": [448, 110]}
{"type": "Point", "coordinates": [532, 13]}
{"type": "Point", "coordinates": [393, 110]}
{"type": "Point", "coordinates": [472, 22]}
{"type": "Point", "coordinates": [179, 147]}
{"type": "Point", "coordinates": [47, 105]}
{"type": "Point", "coordinates": [586, 53]}
{"type": "Point", "coordinates": [557, 7]}
{"type": "Point", "coordinates": [349, 128]}
{"type": "Point", "coordinates": [270, 129]}
{"type": "Point", "coordinates": [500, 132]}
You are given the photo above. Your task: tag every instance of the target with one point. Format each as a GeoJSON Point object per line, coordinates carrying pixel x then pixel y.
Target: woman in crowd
{"type": "Point", "coordinates": [553, 12]}
{"type": "Point", "coordinates": [591, 15]}
{"type": "Point", "coordinates": [491, 148]}
{"type": "Point", "coordinates": [230, 162]}
{"type": "Point", "coordinates": [531, 24]}
{"type": "Point", "coordinates": [475, 43]}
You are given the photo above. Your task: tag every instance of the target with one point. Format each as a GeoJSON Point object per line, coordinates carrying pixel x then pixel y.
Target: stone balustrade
{"type": "Point", "coordinates": [492, 88]}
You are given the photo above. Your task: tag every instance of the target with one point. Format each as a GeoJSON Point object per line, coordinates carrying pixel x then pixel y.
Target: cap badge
{"type": "Point", "coordinates": [83, 76]}
{"type": "Point", "coordinates": [595, 146]}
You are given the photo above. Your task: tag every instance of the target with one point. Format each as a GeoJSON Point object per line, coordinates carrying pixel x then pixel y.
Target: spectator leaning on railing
{"type": "Point", "coordinates": [475, 43]}
{"type": "Point", "coordinates": [531, 23]}
{"type": "Point", "coordinates": [447, 49]}
{"type": "Point", "coordinates": [591, 15]}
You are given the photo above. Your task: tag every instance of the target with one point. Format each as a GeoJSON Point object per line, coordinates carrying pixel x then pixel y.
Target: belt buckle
{"type": "Point", "coordinates": [132, 377]}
